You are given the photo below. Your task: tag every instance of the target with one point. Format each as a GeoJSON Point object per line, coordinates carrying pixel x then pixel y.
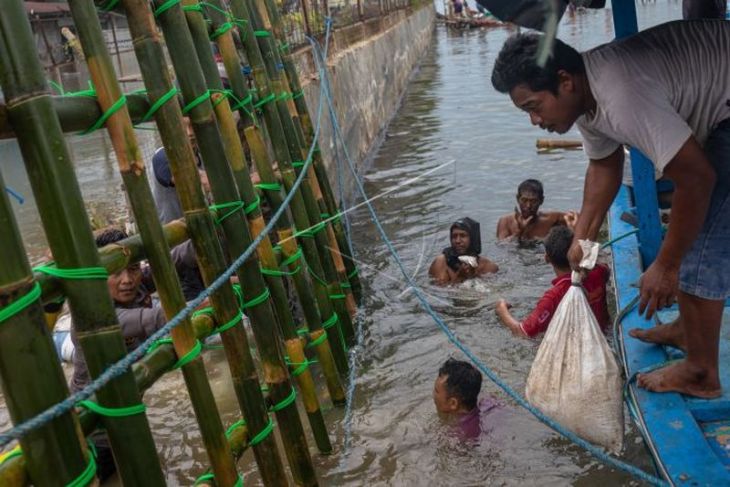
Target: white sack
{"type": "Point", "coordinates": [574, 378]}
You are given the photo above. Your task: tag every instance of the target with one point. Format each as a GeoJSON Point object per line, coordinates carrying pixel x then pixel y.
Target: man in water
{"type": "Point", "coordinates": [461, 261]}
{"type": "Point", "coordinates": [528, 222]}
{"type": "Point", "coordinates": [681, 122]}
{"type": "Point", "coordinates": [456, 396]}
{"type": "Point", "coordinates": [557, 243]}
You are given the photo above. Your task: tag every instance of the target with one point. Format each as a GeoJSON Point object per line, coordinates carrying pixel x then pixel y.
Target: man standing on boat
{"type": "Point", "coordinates": [665, 91]}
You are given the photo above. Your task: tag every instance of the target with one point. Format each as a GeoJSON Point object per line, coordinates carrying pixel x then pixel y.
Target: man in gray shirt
{"type": "Point", "coordinates": [666, 92]}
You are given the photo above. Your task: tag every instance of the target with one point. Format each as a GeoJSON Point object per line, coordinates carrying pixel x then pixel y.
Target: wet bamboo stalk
{"type": "Point", "coordinates": [236, 158]}
{"type": "Point", "coordinates": [284, 106]}
{"type": "Point", "coordinates": [31, 375]}
{"type": "Point", "coordinates": [313, 254]}
{"type": "Point", "coordinates": [305, 121]}
{"type": "Point", "coordinates": [238, 237]}
{"type": "Point", "coordinates": [132, 169]}
{"type": "Point", "coordinates": [211, 260]}
{"type": "Point", "coordinates": [67, 228]}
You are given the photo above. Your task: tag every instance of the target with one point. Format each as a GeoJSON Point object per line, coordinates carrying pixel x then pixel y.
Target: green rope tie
{"type": "Point", "coordinates": [193, 8]}
{"type": "Point", "coordinates": [284, 96]}
{"type": "Point", "coordinates": [316, 277]}
{"type": "Point", "coordinates": [284, 46]}
{"type": "Point", "coordinates": [337, 296]}
{"type": "Point", "coordinates": [226, 94]}
{"type": "Point", "coordinates": [331, 321]}
{"type": "Point", "coordinates": [269, 186]}
{"type": "Point", "coordinates": [158, 104]}
{"type": "Point", "coordinates": [263, 101]}
{"type": "Point", "coordinates": [236, 319]}
{"type": "Point", "coordinates": [253, 206]}
{"type": "Point", "coordinates": [284, 402]}
{"type": "Point", "coordinates": [297, 164]}
{"type": "Point", "coordinates": [352, 274]}
{"type": "Point", "coordinates": [278, 273]}
{"type": "Point", "coordinates": [257, 300]}
{"type": "Point", "coordinates": [165, 6]}
{"type": "Point", "coordinates": [300, 366]}
{"type": "Point", "coordinates": [241, 104]}
{"type": "Point", "coordinates": [88, 474]}
{"type": "Point", "coordinates": [312, 231]}
{"type": "Point", "coordinates": [198, 100]}
{"type": "Point", "coordinates": [224, 27]}
{"type": "Point", "coordinates": [231, 428]}
{"type": "Point", "coordinates": [262, 434]}
{"type": "Point", "coordinates": [327, 216]}
{"type": "Point", "coordinates": [297, 94]}
{"type": "Point", "coordinates": [345, 285]}
{"type": "Point", "coordinates": [320, 339]}
{"type": "Point", "coordinates": [77, 273]}
{"type": "Point", "coordinates": [17, 306]}
{"type": "Point", "coordinates": [262, 33]}
{"type": "Point", "coordinates": [185, 359]}
{"type": "Point", "coordinates": [293, 257]}
{"type": "Point", "coordinates": [112, 412]}
{"type": "Point", "coordinates": [108, 113]}
{"type": "Point", "coordinates": [232, 206]}
{"type": "Point", "coordinates": [210, 476]}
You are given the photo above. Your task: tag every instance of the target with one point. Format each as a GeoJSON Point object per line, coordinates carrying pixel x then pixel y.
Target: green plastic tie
{"type": "Point", "coordinates": [253, 206]}
{"type": "Point", "coordinates": [345, 285]}
{"type": "Point", "coordinates": [300, 366]}
{"type": "Point", "coordinates": [284, 46]}
{"type": "Point", "coordinates": [297, 94]}
{"type": "Point", "coordinates": [230, 324]}
{"type": "Point", "coordinates": [77, 273]}
{"type": "Point", "coordinates": [224, 27]}
{"type": "Point", "coordinates": [198, 100]}
{"type": "Point", "coordinates": [284, 96]}
{"type": "Point", "coordinates": [241, 104]}
{"type": "Point", "coordinates": [57, 87]}
{"type": "Point", "coordinates": [316, 277]}
{"type": "Point", "coordinates": [208, 310]}
{"type": "Point", "coordinates": [231, 428]}
{"type": "Point", "coordinates": [284, 402]}
{"type": "Point", "coordinates": [352, 274]}
{"type": "Point", "coordinates": [320, 339]}
{"type": "Point", "coordinates": [226, 94]}
{"type": "Point", "coordinates": [312, 231]}
{"type": "Point", "coordinates": [193, 8]}
{"type": "Point", "coordinates": [112, 412]}
{"type": "Point", "coordinates": [337, 296]}
{"type": "Point", "coordinates": [188, 357]}
{"type": "Point", "coordinates": [262, 434]}
{"type": "Point", "coordinates": [257, 300]}
{"type": "Point", "coordinates": [293, 257]}
{"type": "Point", "coordinates": [14, 452]}
{"type": "Point", "coordinates": [165, 6]}
{"type": "Point", "coordinates": [269, 186]}
{"type": "Point", "coordinates": [331, 321]}
{"type": "Point", "coordinates": [204, 478]}
{"type": "Point", "coordinates": [88, 474]}
{"type": "Point", "coordinates": [17, 306]}
{"type": "Point", "coordinates": [232, 207]}
{"type": "Point", "coordinates": [110, 111]}
{"type": "Point", "coordinates": [262, 33]}
{"type": "Point", "coordinates": [296, 164]}
{"type": "Point", "coordinates": [303, 331]}
{"type": "Point", "coordinates": [265, 100]}
{"type": "Point", "coordinates": [158, 104]}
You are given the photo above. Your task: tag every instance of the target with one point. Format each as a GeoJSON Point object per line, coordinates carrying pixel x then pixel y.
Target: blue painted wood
{"type": "Point", "coordinates": [677, 439]}
{"type": "Point", "coordinates": [624, 18]}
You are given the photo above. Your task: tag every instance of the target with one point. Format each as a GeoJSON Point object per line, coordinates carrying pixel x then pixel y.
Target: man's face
{"type": "Point", "coordinates": [445, 404]}
{"type": "Point", "coordinates": [189, 131]}
{"type": "Point", "coordinates": [123, 285]}
{"type": "Point", "coordinates": [529, 203]}
{"type": "Point", "coordinates": [548, 111]}
{"type": "Point", "coordinates": [460, 240]}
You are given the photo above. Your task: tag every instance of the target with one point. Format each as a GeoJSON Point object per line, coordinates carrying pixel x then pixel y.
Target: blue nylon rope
{"type": "Point", "coordinates": [593, 450]}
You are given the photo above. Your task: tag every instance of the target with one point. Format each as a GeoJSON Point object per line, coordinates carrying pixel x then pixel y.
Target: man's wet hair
{"type": "Point", "coordinates": [557, 243]}
{"type": "Point", "coordinates": [532, 186]}
{"type": "Point", "coordinates": [463, 380]}
{"type": "Point", "coordinates": [516, 64]}
{"type": "Point", "coordinates": [109, 235]}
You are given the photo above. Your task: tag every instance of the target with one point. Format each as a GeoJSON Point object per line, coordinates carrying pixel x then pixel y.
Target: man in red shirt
{"type": "Point", "coordinates": [557, 243]}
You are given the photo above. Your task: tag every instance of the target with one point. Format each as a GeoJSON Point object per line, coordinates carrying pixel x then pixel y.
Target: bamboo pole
{"type": "Point", "coordinates": [265, 251]}
{"type": "Point", "coordinates": [284, 105]}
{"type": "Point", "coordinates": [317, 257]}
{"type": "Point", "coordinates": [238, 237]}
{"type": "Point", "coordinates": [32, 378]}
{"type": "Point", "coordinates": [558, 144]}
{"type": "Point", "coordinates": [147, 43]}
{"type": "Point", "coordinates": [132, 169]}
{"type": "Point", "coordinates": [69, 234]}
{"type": "Point", "coordinates": [304, 120]}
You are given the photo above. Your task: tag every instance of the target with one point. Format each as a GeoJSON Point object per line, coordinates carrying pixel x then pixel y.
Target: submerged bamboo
{"type": "Point", "coordinates": [274, 278]}
{"type": "Point", "coordinates": [132, 169]}
{"type": "Point", "coordinates": [200, 224]}
{"type": "Point", "coordinates": [69, 234]}
{"type": "Point", "coordinates": [238, 237]}
{"type": "Point", "coordinates": [31, 375]}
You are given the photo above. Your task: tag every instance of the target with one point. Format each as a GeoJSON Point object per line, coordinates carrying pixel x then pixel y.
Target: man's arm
{"type": "Point", "coordinates": [439, 270]}
{"type": "Point", "coordinates": [693, 177]}
{"type": "Point", "coordinates": [507, 319]}
{"type": "Point", "coordinates": [602, 182]}
{"type": "Point", "coordinates": [503, 228]}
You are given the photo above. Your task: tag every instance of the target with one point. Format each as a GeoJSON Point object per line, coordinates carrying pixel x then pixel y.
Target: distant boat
{"type": "Point", "coordinates": [460, 22]}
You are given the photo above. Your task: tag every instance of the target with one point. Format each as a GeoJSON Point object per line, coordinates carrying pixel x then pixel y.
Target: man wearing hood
{"type": "Point", "coordinates": [461, 261]}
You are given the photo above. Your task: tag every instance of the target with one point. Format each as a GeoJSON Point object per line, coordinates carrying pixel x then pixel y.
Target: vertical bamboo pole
{"type": "Point", "coordinates": [265, 251]}
{"type": "Point", "coordinates": [238, 237]}
{"type": "Point", "coordinates": [305, 122]}
{"type": "Point", "coordinates": [313, 255]}
{"type": "Point", "coordinates": [132, 169]}
{"type": "Point", "coordinates": [69, 234]}
{"type": "Point", "coordinates": [148, 48]}
{"type": "Point", "coordinates": [32, 378]}
{"type": "Point", "coordinates": [284, 105]}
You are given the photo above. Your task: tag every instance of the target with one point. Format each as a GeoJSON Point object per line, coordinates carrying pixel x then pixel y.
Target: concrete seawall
{"type": "Point", "coordinates": [370, 64]}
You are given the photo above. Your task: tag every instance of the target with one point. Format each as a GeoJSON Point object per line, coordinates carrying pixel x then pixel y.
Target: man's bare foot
{"type": "Point", "coordinates": [670, 334]}
{"type": "Point", "coordinates": [684, 378]}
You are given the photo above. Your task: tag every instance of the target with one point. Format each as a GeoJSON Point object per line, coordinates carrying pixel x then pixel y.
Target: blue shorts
{"type": "Point", "coordinates": [705, 270]}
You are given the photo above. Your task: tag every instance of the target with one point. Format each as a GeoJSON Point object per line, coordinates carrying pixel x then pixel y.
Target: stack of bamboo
{"type": "Point", "coordinates": [313, 246]}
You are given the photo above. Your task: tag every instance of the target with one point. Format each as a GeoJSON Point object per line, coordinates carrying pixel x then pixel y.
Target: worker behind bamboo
{"type": "Point", "coordinates": [557, 243]}
{"type": "Point", "coordinates": [461, 261]}
{"type": "Point", "coordinates": [528, 223]}
{"type": "Point", "coordinates": [456, 397]}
